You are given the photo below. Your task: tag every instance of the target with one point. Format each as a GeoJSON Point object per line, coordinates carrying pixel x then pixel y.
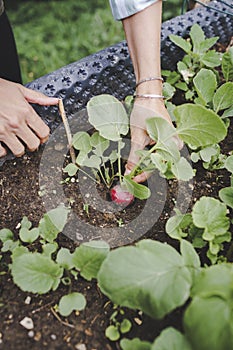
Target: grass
{"type": "Point", "coordinates": [51, 34]}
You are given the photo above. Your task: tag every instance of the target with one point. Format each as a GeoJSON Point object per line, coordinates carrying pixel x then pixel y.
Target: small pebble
{"type": "Point", "coordinates": [31, 334]}
{"type": "Point", "coordinates": [80, 347]}
{"type": "Point", "coordinates": [27, 323]}
{"type": "Point", "coordinates": [53, 336]}
{"type": "Point", "coordinates": [28, 300]}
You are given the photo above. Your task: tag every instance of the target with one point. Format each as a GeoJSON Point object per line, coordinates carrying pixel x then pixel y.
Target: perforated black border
{"type": "Point", "coordinates": [110, 70]}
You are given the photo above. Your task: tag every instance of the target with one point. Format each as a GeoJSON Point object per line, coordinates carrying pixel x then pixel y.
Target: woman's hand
{"type": "Point", "coordinates": [20, 125]}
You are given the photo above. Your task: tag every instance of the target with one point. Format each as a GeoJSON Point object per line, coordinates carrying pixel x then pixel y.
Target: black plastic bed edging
{"type": "Point", "coordinates": [110, 70]}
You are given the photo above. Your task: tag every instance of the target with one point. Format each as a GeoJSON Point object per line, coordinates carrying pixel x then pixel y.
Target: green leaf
{"type": "Point", "coordinates": [168, 90]}
{"type": "Point", "coordinates": [210, 311]}
{"type": "Point", "coordinates": [171, 339]}
{"type": "Point", "coordinates": [189, 254]}
{"type": "Point", "coordinates": [182, 43]}
{"type": "Point", "coordinates": [176, 224]}
{"type": "Point", "coordinates": [226, 195]}
{"type": "Point", "coordinates": [227, 64]}
{"type": "Point", "coordinates": [228, 113]}
{"type": "Point", "coordinates": [81, 158]}
{"type": "Point", "coordinates": [25, 223]}
{"type": "Point", "coordinates": [161, 131]}
{"type": "Point", "coordinates": [208, 43]}
{"type": "Point", "coordinates": [53, 222]}
{"type": "Point", "coordinates": [134, 344]}
{"type": "Point", "coordinates": [112, 333]}
{"type": "Point", "coordinates": [89, 256]}
{"type": "Point", "coordinates": [159, 162]}
{"type": "Point", "coordinates": [208, 152]}
{"type": "Point", "coordinates": [71, 302]}
{"type": "Point", "coordinates": [205, 83]}
{"type": "Point", "coordinates": [214, 281]}
{"type": "Point", "coordinates": [223, 98]}
{"type": "Point", "coordinates": [65, 258]}
{"type": "Point", "coordinates": [195, 157]}
{"type": "Point", "coordinates": [27, 235]}
{"type": "Point", "coordinates": [229, 164]}
{"type": "Point", "coordinates": [138, 190]}
{"type": "Point", "coordinates": [82, 141]}
{"type": "Point", "coordinates": [6, 235]}
{"type": "Point", "coordinates": [36, 273]}
{"type": "Point", "coordinates": [210, 214]}
{"type": "Point", "coordinates": [211, 59]}
{"type": "Point", "coordinates": [197, 35]}
{"type": "Point", "coordinates": [182, 169]}
{"type": "Point", "coordinates": [93, 162]}
{"type": "Point", "coordinates": [99, 143]}
{"type": "Point", "coordinates": [198, 126]}
{"type": "Point", "coordinates": [182, 86]}
{"type": "Point", "coordinates": [49, 248]}
{"type": "Point", "coordinates": [9, 245]}
{"type": "Point", "coordinates": [151, 277]}
{"type": "Point", "coordinates": [108, 116]}
{"type": "Point", "coordinates": [71, 169]}
{"type": "Point", "coordinates": [125, 326]}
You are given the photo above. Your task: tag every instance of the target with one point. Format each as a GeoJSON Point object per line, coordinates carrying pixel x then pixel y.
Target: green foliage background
{"type": "Point", "coordinates": [54, 33]}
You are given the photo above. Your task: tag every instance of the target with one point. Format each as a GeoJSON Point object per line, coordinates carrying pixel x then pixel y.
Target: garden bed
{"type": "Point", "coordinates": [19, 197]}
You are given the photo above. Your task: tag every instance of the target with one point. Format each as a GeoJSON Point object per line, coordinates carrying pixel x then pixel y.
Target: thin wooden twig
{"type": "Point", "coordinates": [67, 129]}
{"type": "Point", "coordinates": [60, 320]}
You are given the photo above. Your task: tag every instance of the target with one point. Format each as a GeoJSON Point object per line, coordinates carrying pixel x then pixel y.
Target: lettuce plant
{"type": "Point", "coordinates": [39, 265]}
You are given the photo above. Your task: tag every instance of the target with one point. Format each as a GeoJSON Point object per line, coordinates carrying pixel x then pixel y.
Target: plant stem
{"type": "Point", "coordinates": [119, 161]}
{"type": "Point", "coordinates": [141, 160]}
{"type": "Point", "coordinates": [90, 177]}
{"type": "Point", "coordinates": [103, 178]}
{"type": "Point", "coordinates": [67, 129]}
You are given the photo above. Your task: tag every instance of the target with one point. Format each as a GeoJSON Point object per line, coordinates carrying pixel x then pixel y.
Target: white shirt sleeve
{"type": "Point", "coordinates": [125, 8]}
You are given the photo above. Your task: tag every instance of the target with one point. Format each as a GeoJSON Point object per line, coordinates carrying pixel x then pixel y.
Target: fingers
{"type": "Point", "coordinates": [33, 96]}
{"type": "Point", "coordinates": [37, 125]}
{"type": "Point", "coordinates": [27, 130]}
{"type": "Point", "coordinates": [2, 151]}
{"type": "Point", "coordinates": [13, 143]}
{"type": "Point", "coordinates": [137, 134]}
{"type": "Point", "coordinates": [142, 177]}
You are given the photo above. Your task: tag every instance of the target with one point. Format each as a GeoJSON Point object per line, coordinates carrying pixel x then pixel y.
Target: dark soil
{"type": "Point", "coordinates": [21, 195]}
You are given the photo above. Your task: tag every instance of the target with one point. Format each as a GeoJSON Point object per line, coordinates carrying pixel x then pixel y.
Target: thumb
{"type": "Point", "coordinates": [134, 158]}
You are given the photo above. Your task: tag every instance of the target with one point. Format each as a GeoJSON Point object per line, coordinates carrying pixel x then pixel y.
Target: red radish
{"type": "Point", "coordinates": [121, 196]}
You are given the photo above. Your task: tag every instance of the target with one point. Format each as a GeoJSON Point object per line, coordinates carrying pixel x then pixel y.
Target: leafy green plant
{"type": "Point", "coordinates": [39, 265]}
{"type": "Point", "coordinates": [197, 55]}
{"type": "Point", "coordinates": [200, 83]}
{"type": "Point", "coordinates": [207, 224]}
{"type": "Point", "coordinates": [226, 193]}
{"type": "Point", "coordinates": [148, 281]}
{"type": "Point", "coordinates": [165, 279]}
{"type": "Point", "coordinates": [117, 327]}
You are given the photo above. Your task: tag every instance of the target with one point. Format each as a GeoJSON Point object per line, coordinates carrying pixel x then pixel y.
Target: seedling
{"type": "Point", "coordinates": [207, 225]}
{"type": "Point", "coordinates": [42, 267]}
